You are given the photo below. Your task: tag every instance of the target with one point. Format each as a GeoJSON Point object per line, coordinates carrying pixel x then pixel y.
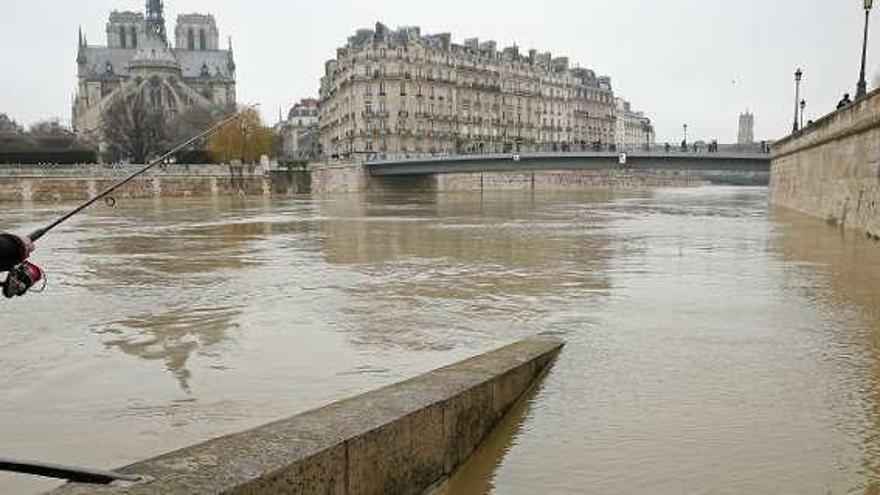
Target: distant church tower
{"type": "Point", "coordinates": [746, 129]}
{"type": "Point", "coordinates": [139, 60]}
{"type": "Point", "coordinates": [156, 19]}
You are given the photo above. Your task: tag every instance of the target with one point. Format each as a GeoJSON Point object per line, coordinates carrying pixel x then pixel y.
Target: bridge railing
{"type": "Point", "coordinates": [728, 152]}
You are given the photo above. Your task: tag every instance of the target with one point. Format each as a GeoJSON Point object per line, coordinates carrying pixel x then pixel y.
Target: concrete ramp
{"type": "Point", "coordinates": [403, 438]}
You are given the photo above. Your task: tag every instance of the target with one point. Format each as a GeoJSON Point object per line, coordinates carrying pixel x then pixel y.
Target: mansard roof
{"type": "Point", "coordinates": [191, 62]}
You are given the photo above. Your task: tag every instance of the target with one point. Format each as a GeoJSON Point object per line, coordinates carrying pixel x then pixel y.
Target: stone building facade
{"type": "Point", "coordinates": [139, 58]}
{"type": "Point", "coordinates": [633, 130]}
{"type": "Point", "coordinates": [746, 134]}
{"type": "Point", "coordinates": [401, 93]}
{"type": "Point", "coordinates": [299, 131]}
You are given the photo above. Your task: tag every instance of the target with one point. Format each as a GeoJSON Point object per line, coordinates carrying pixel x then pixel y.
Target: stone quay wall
{"type": "Point", "coordinates": [354, 178]}
{"type": "Point", "coordinates": [831, 169]}
{"type": "Point", "coordinates": [65, 183]}
{"type": "Point", "coordinates": [564, 180]}
{"type": "Point", "coordinates": [405, 438]}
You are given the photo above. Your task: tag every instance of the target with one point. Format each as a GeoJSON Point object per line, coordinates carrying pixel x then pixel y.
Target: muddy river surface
{"type": "Point", "coordinates": [715, 344]}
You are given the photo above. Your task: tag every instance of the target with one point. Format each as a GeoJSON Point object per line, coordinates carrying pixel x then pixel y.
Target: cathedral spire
{"type": "Point", "coordinates": [80, 50]}
{"type": "Point", "coordinates": [156, 19]}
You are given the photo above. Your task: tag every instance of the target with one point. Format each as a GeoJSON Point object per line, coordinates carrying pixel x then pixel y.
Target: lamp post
{"type": "Point", "coordinates": [797, 97]}
{"type": "Point", "coordinates": [685, 142]}
{"type": "Point", "coordinates": [862, 88]}
{"type": "Point", "coordinates": [803, 107]}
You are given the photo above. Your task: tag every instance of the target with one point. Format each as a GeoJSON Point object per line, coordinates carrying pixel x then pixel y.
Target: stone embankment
{"type": "Point", "coordinates": [831, 169]}
{"type": "Point", "coordinates": [404, 438]}
{"type": "Point", "coordinates": [40, 184]}
{"type": "Point", "coordinates": [67, 183]}
{"type": "Point", "coordinates": [353, 178]}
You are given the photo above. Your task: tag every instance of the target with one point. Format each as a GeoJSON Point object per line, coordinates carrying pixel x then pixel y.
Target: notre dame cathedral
{"type": "Point", "coordinates": [139, 57]}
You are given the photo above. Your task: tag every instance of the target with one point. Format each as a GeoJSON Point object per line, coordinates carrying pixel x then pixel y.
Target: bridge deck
{"type": "Point", "coordinates": [590, 160]}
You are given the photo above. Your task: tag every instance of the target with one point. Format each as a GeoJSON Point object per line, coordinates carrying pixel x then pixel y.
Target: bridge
{"type": "Point", "coordinates": [726, 162]}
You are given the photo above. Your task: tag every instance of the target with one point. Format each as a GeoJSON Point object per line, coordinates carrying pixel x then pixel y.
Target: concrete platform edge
{"type": "Point", "coordinates": [403, 438]}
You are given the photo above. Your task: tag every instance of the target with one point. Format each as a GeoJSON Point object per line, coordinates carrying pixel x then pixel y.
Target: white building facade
{"type": "Point", "coordinates": [633, 130]}
{"type": "Point", "coordinates": [299, 133]}
{"type": "Point", "coordinates": [401, 93]}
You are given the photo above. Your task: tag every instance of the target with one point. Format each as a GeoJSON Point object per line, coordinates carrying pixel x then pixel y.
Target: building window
{"type": "Point", "coordinates": [190, 40]}
{"type": "Point", "coordinates": [122, 39]}
{"type": "Point", "coordinates": [202, 44]}
{"type": "Point", "coordinates": [134, 37]}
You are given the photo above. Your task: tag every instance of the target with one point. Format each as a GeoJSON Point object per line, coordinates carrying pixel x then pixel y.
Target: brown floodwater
{"type": "Point", "coordinates": [715, 345]}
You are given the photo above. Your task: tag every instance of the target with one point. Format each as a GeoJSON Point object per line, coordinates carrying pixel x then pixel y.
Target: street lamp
{"type": "Point", "coordinates": [797, 96]}
{"type": "Point", "coordinates": [862, 88]}
{"type": "Point", "coordinates": [685, 142]}
{"type": "Point", "coordinates": [803, 107]}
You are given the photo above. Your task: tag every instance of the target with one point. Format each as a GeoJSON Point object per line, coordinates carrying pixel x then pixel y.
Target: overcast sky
{"type": "Point", "coordinates": [699, 62]}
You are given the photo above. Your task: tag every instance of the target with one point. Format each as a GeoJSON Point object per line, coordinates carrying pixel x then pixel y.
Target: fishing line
{"type": "Point", "coordinates": [39, 233]}
{"type": "Point", "coordinates": [25, 275]}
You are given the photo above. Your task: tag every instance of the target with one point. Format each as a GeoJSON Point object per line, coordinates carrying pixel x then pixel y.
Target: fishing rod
{"type": "Point", "coordinates": [39, 233]}
{"type": "Point", "coordinates": [26, 274]}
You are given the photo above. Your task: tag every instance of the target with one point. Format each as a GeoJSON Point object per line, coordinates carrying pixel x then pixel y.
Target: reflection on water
{"type": "Point", "coordinates": [714, 346]}
{"type": "Point", "coordinates": [848, 291]}
{"type": "Point", "coordinates": [170, 336]}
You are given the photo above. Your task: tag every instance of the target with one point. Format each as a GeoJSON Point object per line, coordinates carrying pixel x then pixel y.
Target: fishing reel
{"type": "Point", "coordinates": [22, 278]}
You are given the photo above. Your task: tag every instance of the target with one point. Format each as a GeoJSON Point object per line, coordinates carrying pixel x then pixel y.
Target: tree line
{"type": "Point", "coordinates": [133, 132]}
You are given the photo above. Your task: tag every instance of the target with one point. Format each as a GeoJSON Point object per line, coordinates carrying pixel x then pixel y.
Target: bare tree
{"type": "Point", "coordinates": [192, 122]}
{"type": "Point", "coordinates": [133, 131]}
{"type": "Point", "coordinates": [49, 128]}
{"type": "Point", "coordinates": [9, 126]}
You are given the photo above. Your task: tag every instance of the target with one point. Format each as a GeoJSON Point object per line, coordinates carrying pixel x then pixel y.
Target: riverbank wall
{"type": "Point", "coordinates": [831, 169]}
{"type": "Point", "coordinates": [354, 178]}
{"type": "Point", "coordinates": [67, 183]}
{"type": "Point", "coordinates": [78, 183]}
{"type": "Point", "coordinates": [404, 438]}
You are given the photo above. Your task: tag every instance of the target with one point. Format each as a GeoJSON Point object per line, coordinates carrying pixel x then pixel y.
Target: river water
{"type": "Point", "coordinates": [715, 345]}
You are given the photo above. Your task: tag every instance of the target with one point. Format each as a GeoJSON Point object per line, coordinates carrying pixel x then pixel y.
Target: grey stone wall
{"type": "Point", "coordinates": [354, 178]}
{"type": "Point", "coordinates": [44, 184]}
{"type": "Point", "coordinates": [831, 170]}
{"type": "Point", "coordinates": [565, 180]}
{"type": "Point", "coordinates": [404, 438]}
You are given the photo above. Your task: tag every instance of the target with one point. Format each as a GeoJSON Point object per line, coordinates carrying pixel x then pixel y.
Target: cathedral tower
{"type": "Point", "coordinates": [196, 32]}
{"type": "Point", "coordinates": [139, 59]}
{"type": "Point", "coordinates": [156, 19]}
{"type": "Point", "coordinates": [746, 134]}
